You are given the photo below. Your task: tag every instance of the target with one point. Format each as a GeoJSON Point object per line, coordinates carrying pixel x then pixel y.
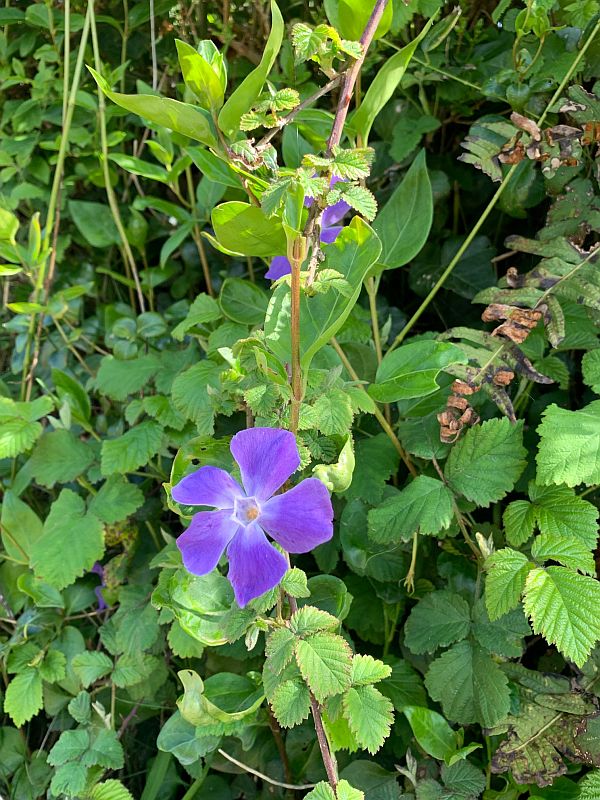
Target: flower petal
{"type": "Point", "coordinates": [203, 543]}
{"type": "Point", "coordinates": [334, 213]}
{"type": "Point", "coordinates": [255, 566]}
{"type": "Point", "coordinates": [329, 235]}
{"type": "Point", "coordinates": [300, 519]}
{"type": "Point", "coordinates": [208, 486]}
{"type": "Point", "coordinates": [267, 457]}
{"type": "Point", "coordinates": [278, 267]}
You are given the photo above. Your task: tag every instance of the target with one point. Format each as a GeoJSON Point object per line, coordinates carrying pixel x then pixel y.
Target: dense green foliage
{"type": "Point", "coordinates": [439, 363]}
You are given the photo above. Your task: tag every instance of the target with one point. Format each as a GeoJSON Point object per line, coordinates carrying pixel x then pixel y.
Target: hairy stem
{"type": "Point", "coordinates": [296, 263]}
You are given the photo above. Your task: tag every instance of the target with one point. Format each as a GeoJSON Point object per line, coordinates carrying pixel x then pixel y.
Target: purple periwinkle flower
{"type": "Point", "coordinates": [330, 230]}
{"type": "Point", "coordinates": [298, 520]}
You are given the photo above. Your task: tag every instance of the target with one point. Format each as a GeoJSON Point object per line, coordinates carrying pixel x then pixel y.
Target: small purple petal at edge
{"type": "Point", "coordinates": [301, 519]}
{"type": "Point", "coordinates": [278, 267]}
{"type": "Point", "coordinates": [255, 566]}
{"type": "Point", "coordinates": [208, 486]}
{"type": "Point", "coordinates": [266, 457]}
{"type": "Point", "coordinates": [203, 543]}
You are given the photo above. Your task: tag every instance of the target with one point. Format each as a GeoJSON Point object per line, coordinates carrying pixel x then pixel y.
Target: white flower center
{"type": "Point", "coordinates": [245, 510]}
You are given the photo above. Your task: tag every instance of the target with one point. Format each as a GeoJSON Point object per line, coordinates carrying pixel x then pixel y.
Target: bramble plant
{"type": "Point", "coordinates": [299, 428]}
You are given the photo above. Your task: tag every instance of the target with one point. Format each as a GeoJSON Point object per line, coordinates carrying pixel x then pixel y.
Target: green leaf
{"type": "Point", "coordinates": [360, 199]}
{"type": "Point", "coordinates": [23, 698]}
{"type": "Point", "coordinates": [439, 619]}
{"type": "Point", "coordinates": [243, 301]}
{"type": "Point", "coordinates": [485, 464]}
{"type": "Point", "coordinates": [353, 15]}
{"type": "Point", "coordinates": [507, 571]}
{"type": "Point", "coordinates": [411, 370]}
{"type": "Point", "coordinates": [246, 94]}
{"type": "Point", "coordinates": [95, 223]}
{"type": "Point", "coordinates": [376, 461]}
{"type": "Point", "coordinates": [337, 476]}
{"type": "Point", "coordinates": [311, 620]}
{"type": "Point", "coordinates": [569, 449]}
{"type": "Point", "coordinates": [325, 661]}
{"type": "Point", "coordinates": [432, 732]}
{"type": "Point", "coordinates": [53, 667]}
{"type": "Point", "coordinates": [333, 413]}
{"type": "Point", "coordinates": [190, 394]}
{"type": "Point", "coordinates": [424, 505]}
{"type": "Point", "coordinates": [19, 428]}
{"type": "Point", "coordinates": [200, 76]}
{"type": "Point", "coordinates": [246, 230]}
{"type": "Point", "coordinates": [118, 379]}
{"type": "Point", "coordinates": [59, 457]}
{"type": "Point", "coordinates": [344, 791]}
{"type": "Point", "coordinates": [69, 779]}
{"type": "Point", "coordinates": [136, 166]}
{"type": "Point", "coordinates": [590, 365]}
{"type": "Point", "coordinates": [116, 500]}
{"type": "Point", "coordinates": [404, 687]}
{"type": "Point", "coordinates": [568, 552]}
{"type": "Point", "coordinates": [132, 450]}
{"type": "Point", "coordinates": [560, 511]}
{"type": "Point", "coordinates": [295, 583]}
{"type": "Point", "coordinates": [80, 707]}
{"type": "Point", "coordinates": [470, 686]}
{"type": "Point", "coordinates": [369, 715]}
{"type": "Point", "coordinates": [503, 637]}
{"type": "Point", "coordinates": [91, 666]}
{"type": "Point", "coordinates": [280, 648]}
{"type": "Point", "coordinates": [322, 315]}
{"type": "Point", "coordinates": [565, 608]}
{"type": "Point", "coordinates": [105, 751]}
{"type": "Point", "coordinates": [366, 669]}
{"type": "Point", "coordinates": [180, 117]}
{"type": "Point", "coordinates": [70, 746]}
{"type": "Point", "coordinates": [71, 543]}
{"type": "Point", "coordinates": [110, 790]}
{"type": "Point", "coordinates": [590, 786]}
{"type": "Point", "coordinates": [403, 224]}
{"type": "Point", "coordinates": [464, 780]}
{"type": "Point", "coordinates": [204, 309]}
{"type": "Point", "coordinates": [384, 85]}
{"type": "Point", "coordinates": [519, 522]}
{"type": "Point", "coordinates": [291, 703]}
{"type": "Point", "coordinates": [21, 527]}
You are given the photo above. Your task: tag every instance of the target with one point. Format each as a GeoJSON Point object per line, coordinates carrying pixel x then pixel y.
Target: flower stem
{"type": "Point", "coordinates": [296, 264]}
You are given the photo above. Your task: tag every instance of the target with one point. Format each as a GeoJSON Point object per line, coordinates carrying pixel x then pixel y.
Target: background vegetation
{"type": "Point", "coordinates": [445, 389]}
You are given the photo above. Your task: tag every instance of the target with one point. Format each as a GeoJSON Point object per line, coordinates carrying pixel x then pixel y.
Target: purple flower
{"type": "Point", "coordinates": [330, 230]}
{"type": "Point", "coordinates": [298, 520]}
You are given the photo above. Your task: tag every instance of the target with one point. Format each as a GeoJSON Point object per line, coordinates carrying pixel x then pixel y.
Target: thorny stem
{"type": "Point", "coordinates": [378, 415]}
{"type": "Point", "coordinates": [326, 754]}
{"type": "Point", "coordinates": [352, 74]}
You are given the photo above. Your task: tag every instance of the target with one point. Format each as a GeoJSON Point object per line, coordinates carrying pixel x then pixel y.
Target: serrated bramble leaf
{"type": "Point", "coordinates": [110, 790]}
{"type": "Point", "coordinates": [370, 716]}
{"type": "Point", "coordinates": [366, 669]}
{"type": "Point", "coordinates": [162, 410]}
{"type": "Point", "coordinates": [53, 667]}
{"type": "Point", "coordinates": [565, 608]}
{"type": "Point", "coordinates": [470, 686]}
{"type": "Point", "coordinates": [291, 703]}
{"type": "Point", "coordinates": [560, 511]}
{"type": "Point", "coordinates": [485, 464]}
{"type": "Point", "coordinates": [69, 779]}
{"type": "Point", "coordinates": [80, 707]}
{"type": "Point", "coordinates": [190, 394]}
{"type": "Point", "coordinates": [132, 450]}
{"type": "Point", "coordinates": [503, 637]}
{"type": "Point", "coordinates": [91, 666]}
{"type": "Point", "coordinates": [352, 164]}
{"type": "Point", "coordinates": [325, 661]}
{"type": "Point", "coordinates": [117, 379]}
{"type": "Point", "coordinates": [309, 619]}
{"type": "Point", "coordinates": [569, 449]}
{"type": "Point", "coordinates": [590, 366]}
{"type": "Point", "coordinates": [295, 583]}
{"type": "Point", "coordinates": [568, 552]}
{"type": "Point", "coordinates": [344, 790]}
{"type": "Point", "coordinates": [23, 697]}
{"type": "Point", "coordinates": [105, 751]}
{"type": "Point", "coordinates": [589, 787]}
{"type": "Point", "coordinates": [506, 574]}
{"type": "Point", "coordinates": [359, 198]}
{"type": "Point", "coordinates": [519, 522]}
{"type": "Point", "coordinates": [116, 500]}
{"type": "Point", "coordinates": [19, 428]}
{"type": "Point", "coordinates": [59, 457]}
{"type": "Point", "coordinates": [70, 746]}
{"type": "Point", "coordinates": [71, 542]}
{"type": "Point", "coordinates": [424, 505]}
{"type": "Point", "coordinates": [280, 648]}
{"type": "Point", "coordinates": [306, 41]}
{"type": "Point", "coordinates": [439, 619]}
